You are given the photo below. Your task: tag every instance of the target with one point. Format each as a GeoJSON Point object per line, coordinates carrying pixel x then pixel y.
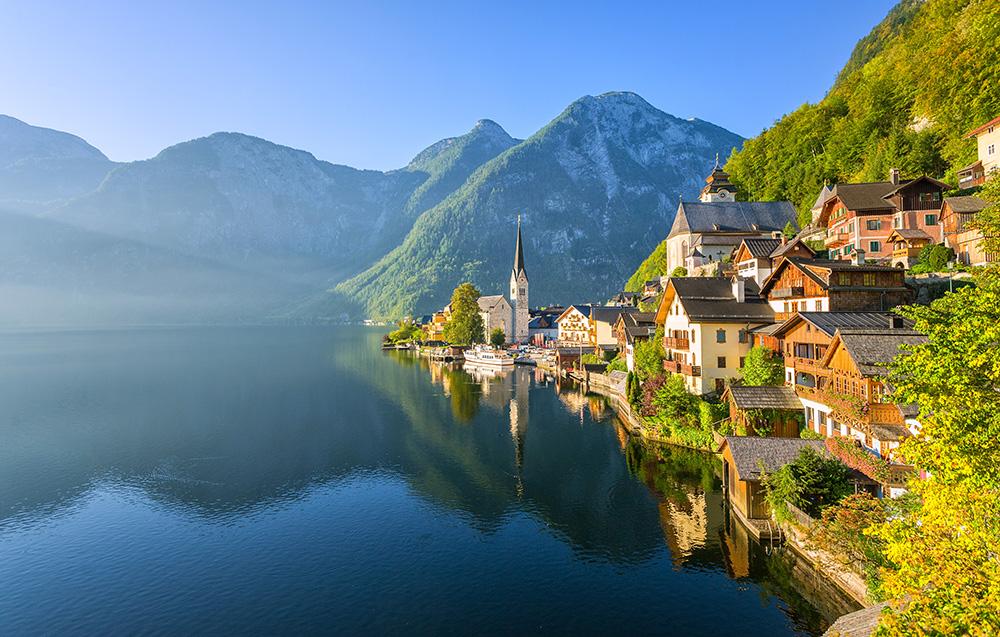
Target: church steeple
{"type": "Point", "coordinates": [519, 291]}
{"type": "Point", "coordinates": [518, 251]}
{"type": "Point", "coordinates": [717, 185]}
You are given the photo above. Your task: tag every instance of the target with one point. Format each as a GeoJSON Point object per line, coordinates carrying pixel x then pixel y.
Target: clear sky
{"type": "Point", "coordinates": [371, 83]}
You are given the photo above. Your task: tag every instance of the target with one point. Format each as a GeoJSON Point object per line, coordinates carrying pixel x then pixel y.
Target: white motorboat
{"type": "Point", "coordinates": [488, 356]}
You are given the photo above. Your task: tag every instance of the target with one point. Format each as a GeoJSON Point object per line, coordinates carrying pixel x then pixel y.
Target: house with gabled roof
{"type": "Point", "coordinates": [707, 230]}
{"type": "Point", "coordinates": [755, 258]}
{"type": "Point", "coordinates": [956, 213]}
{"type": "Point", "coordinates": [987, 137]}
{"type": "Point", "coordinates": [850, 397]}
{"type": "Point", "coordinates": [906, 246]}
{"type": "Point", "coordinates": [860, 216]}
{"type": "Point", "coordinates": [574, 326]}
{"type": "Point", "coordinates": [496, 314]}
{"type": "Point", "coordinates": [707, 323]}
{"type": "Point", "coordinates": [602, 322]}
{"type": "Point", "coordinates": [632, 328]}
{"type": "Point", "coordinates": [804, 339]}
{"type": "Point", "coordinates": [824, 285]}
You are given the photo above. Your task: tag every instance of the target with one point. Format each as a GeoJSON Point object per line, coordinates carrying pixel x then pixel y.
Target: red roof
{"type": "Point", "coordinates": [992, 122]}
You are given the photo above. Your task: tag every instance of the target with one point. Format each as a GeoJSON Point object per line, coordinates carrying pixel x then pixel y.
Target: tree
{"type": "Point", "coordinates": [947, 573]}
{"type": "Point", "coordinates": [811, 482]}
{"type": "Point", "coordinates": [406, 332]}
{"type": "Point", "coordinates": [497, 337]}
{"type": "Point", "coordinates": [789, 231]}
{"type": "Point", "coordinates": [679, 271]}
{"type": "Point", "coordinates": [465, 326]}
{"type": "Point", "coordinates": [649, 355]}
{"type": "Point", "coordinates": [761, 366]}
{"type": "Point", "coordinates": [673, 401]}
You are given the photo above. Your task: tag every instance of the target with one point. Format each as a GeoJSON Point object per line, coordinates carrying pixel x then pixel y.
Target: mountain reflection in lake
{"type": "Point", "coordinates": [298, 479]}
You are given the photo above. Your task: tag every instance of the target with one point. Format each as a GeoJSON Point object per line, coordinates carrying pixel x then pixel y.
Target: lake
{"type": "Point", "coordinates": [299, 480]}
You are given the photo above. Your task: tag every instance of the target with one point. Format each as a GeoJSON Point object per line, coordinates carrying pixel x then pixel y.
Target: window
{"type": "Point", "coordinates": [818, 305]}
{"type": "Point", "coordinates": [743, 338]}
{"type": "Point", "coordinates": [873, 224]}
{"type": "Point", "coordinates": [930, 220]}
{"type": "Point", "coordinates": [989, 149]}
{"type": "Point", "coordinates": [742, 360]}
{"type": "Point", "coordinates": [843, 278]}
{"type": "Point", "coordinates": [720, 335]}
{"type": "Point", "coordinates": [897, 222]}
{"type": "Point", "coordinates": [850, 228]}
{"type": "Point", "coordinates": [693, 332]}
{"type": "Point", "coordinates": [720, 385]}
{"type": "Point", "coordinates": [927, 197]}
{"type": "Point", "coordinates": [874, 246]}
{"type": "Point", "coordinates": [721, 362]}
{"type": "Point", "coordinates": [869, 279]}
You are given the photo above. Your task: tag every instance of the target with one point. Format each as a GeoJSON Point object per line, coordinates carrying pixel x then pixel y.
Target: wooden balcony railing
{"type": "Point", "coordinates": [836, 239]}
{"type": "Point", "coordinates": [906, 253]}
{"type": "Point", "coordinates": [678, 367]}
{"type": "Point", "coordinates": [691, 370]}
{"type": "Point", "coordinates": [781, 317]}
{"type": "Point", "coordinates": [808, 366]}
{"type": "Point", "coordinates": [676, 342]}
{"type": "Point", "coordinates": [672, 366]}
{"type": "Point", "coordinates": [786, 293]}
{"type": "Point", "coordinates": [846, 410]}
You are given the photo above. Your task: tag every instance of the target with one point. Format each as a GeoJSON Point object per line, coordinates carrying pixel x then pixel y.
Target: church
{"type": "Point", "coordinates": [519, 292]}
{"type": "Point", "coordinates": [707, 230]}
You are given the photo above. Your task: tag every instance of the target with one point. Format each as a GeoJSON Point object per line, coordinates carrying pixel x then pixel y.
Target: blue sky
{"type": "Point", "coordinates": [369, 84]}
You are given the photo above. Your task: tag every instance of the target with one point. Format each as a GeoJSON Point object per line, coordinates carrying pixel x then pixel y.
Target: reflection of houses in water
{"type": "Point", "coordinates": [685, 525]}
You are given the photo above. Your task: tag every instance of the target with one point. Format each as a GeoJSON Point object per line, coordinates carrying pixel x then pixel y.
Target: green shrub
{"type": "Point", "coordinates": [763, 367]}
{"type": "Point", "coordinates": [679, 271]}
{"type": "Point", "coordinates": [711, 413]}
{"type": "Point", "coordinates": [592, 359]}
{"type": "Point", "coordinates": [616, 365]}
{"type": "Point", "coordinates": [811, 482]}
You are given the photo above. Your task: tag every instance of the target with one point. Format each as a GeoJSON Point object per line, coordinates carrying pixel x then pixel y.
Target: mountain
{"type": "Point", "coordinates": [911, 90]}
{"type": "Point", "coordinates": [248, 202]}
{"type": "Point", "coordinates": [40, 166]}
{"type": "Point", "coordinates": [596, 189]}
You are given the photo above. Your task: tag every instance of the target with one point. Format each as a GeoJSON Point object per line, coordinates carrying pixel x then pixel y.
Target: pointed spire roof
{"type": "Point", "coordinates": [518, 251]}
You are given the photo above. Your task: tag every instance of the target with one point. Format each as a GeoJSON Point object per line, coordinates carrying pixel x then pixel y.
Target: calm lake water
{"type": "Point", "coordinates": [298, 480]}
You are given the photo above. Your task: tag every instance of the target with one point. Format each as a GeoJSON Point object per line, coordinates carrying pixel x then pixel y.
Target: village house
{"type": "Point", "coordinates": [764, 410]}
{"type": "Point", "coordinates": [804, 339]}
{"type": "Point", "coordinates": [542, 329]}
{"type": "Point", "coordinates": [956, 213]}
{"type": "Point", "coordinates": [707, 323]}
{"type": "Point", "coordinates": [745, 462]}
{"type": "Point", "coordinates": [861, 216]}
{"type": "Point", "coordinates": [573, 326]}
{"type": "Point", "coordinates": [845, 394]}
{"type": "Point", "coordinates": [822, 285]}
{"type": "Point", "coordinates": [435, 328]}
{"type": "Point", "coordinates": [988, 144]}
{"type": "Point", "coordinates": [707, 230]}
{"type": "Point", "coordinates": [906, 246]}
{"type": "Point", "coordinates": [630, 329]}
{"type": "Point", "coordinates": [602, 323]}
{"type": "Point", "coordinates": [496, 314]}
{"type": "Point", "coordinates": [756, 258]}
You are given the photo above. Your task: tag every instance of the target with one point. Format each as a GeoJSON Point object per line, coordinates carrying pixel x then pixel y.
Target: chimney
{"type": "Point", "coordinates": [895, 322]}
{"type": "Point", "coordinates": [894, 176]}
{"type": "Point", "coordinates": [784, 239]}
{"type": "Point", "coordinates": [739, 289]}
{"type": "Point", "coordinates": [858, 257]}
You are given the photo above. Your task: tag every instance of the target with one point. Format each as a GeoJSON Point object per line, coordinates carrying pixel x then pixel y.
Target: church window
{"type": "Point", "coordinates": [720, 335]}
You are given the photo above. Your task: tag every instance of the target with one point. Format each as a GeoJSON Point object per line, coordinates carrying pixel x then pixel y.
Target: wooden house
{"type": "Point", "coordinates": [861, 216]}
{"type": "Point", "coordinates": [764, 410]}
{"type": "Point", "coordinates": [815, 285]}
{"type": "Point", "coordinates": [849, 397]}
{"type": "Point", "coordinates": [906, 246]}
{"type": "Point", "coordinates": [956, 213]}
{"type": "Point", "coordinates": [602, 321]}
{"type": "Point", "coordinates": [755, 258]}
{"type": "Point", "coordinates": [630, 329]}
{"type": "Point", "coordinates": [745, 461]}
{"type": "Point", "coordinates": [988, 145]}
{"type": "Point", "coordinates": [804, 339]}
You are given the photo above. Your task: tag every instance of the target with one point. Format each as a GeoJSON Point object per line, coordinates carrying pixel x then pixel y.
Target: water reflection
{"type": "Point", "coordinates": [457, 479]}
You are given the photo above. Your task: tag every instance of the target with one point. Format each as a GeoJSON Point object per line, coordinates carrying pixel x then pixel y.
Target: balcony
{"type": "Point", "coordinates": [691, 370]}
{"type": "Point", "coordinates": [808, 366]}
{"type": "Point", "coordinates": [677, 367]}
{"type": "Point", "coordinates": [905, 253]}
{"type": "Point", "coordinates": [837, 239]}
{"type": "Point", "coordinates": [789, 292]}
{"type": "Point", "coordinates": [672, 366]}
{"type": "Point", "coordinates": [781, 317]}
{"type": "Point", "coordinates": [676, 342]}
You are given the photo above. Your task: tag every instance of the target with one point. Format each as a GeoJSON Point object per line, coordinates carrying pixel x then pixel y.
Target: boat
{"type": "Point", "coordinates": [487, 356]}
{"type": "Point", "coordinates": [525, 359]}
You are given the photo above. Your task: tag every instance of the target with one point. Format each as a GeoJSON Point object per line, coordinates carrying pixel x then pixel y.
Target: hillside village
{"type": "Point", "coordinates": [768, 343]}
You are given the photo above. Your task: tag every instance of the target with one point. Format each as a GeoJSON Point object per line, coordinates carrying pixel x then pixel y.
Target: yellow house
{"type": "Point", "coordinates": [706, 324]}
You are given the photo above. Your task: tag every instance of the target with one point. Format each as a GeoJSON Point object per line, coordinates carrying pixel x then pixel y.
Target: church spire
{"type": "Point", "coordinates": [518, 251]}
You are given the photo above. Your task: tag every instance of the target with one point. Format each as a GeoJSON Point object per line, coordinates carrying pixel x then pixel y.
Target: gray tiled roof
{"type": "Point", "coordinates": [830, 322]}
{"type": "Point", "coordinates": [752, 453]}
{"type": "Point", "coordinates": [764, 397]}
{"type": "Point", "coordinates": [873, 350]}
{"type": "Point", "coordinates": [762, 248]}
{"type": "Point", "coordinates": [910, 233]}
{"type": "Point", "coordinates": [965, 204]}
{"type": "Point", "coordinates": [711, 299]}
{"type": "Point", "coordinates": [796, 240]}
{"type": "Point", "coordinates": [732, 216]}
{"type": "Point", "coordinates": [825, 193]}
{"type": "Point", "coordinates": [487, 303]}
{"type": "Point", "coordinates": [866, 196]}
{"type": "Point", "coordinates": [609, 313]}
